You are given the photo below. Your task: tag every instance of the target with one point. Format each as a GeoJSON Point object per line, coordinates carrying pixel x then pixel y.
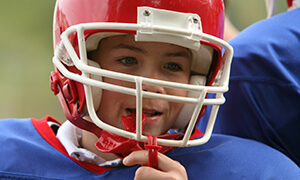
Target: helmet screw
{"type": "Point", "coordinates": [195, 20]}
{"type": "Point", "coordinates": [147, 12]}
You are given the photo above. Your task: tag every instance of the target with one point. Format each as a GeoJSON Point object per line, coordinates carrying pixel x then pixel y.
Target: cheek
{"type": "Point", "coordinates": [183, 77]}
{"type": "Point", "coordinates": [176, 92]}
{"type": "Point", "coordinates": [119, 82]}
{"type": "Point", "coordinates": [110, 109]}
{"type": "Point", "coordinates": [113, 103]}
{"type": "Point", "coordinates": [175, 108]}
{"type": "Point", "coordinates": [106, 106]}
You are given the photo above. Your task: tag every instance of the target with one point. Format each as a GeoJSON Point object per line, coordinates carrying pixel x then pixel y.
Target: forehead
{"type": "Point", "coordinates": [128, 42]}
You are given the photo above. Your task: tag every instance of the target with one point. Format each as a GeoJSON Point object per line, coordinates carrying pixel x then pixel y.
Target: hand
{"type": "Point", "coordinates": [167, 167]}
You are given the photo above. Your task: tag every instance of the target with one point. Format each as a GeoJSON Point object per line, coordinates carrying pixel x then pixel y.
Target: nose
{"type": "Point", "coordinates": [153, 88]}
{"type": "Point", "coordinates": [152, 74]}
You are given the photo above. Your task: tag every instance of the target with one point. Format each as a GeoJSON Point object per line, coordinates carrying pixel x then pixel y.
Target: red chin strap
{"type": "Point", "coordinates": [121, 146]}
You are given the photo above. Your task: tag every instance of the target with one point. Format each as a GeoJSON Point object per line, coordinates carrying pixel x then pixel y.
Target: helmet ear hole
{"type": "Point", "coordinates": [187, 110]}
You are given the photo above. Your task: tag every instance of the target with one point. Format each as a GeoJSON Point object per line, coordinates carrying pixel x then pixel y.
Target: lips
{"type": "Point", "coordinates": [148, 113]}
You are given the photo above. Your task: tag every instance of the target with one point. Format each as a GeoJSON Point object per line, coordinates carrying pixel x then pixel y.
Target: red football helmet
{"type": "Point", "coordinates": [78, 27]}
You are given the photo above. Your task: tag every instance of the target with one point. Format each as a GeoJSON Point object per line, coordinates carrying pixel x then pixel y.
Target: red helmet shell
{"type": "Point", "coordinates": [72, 12]}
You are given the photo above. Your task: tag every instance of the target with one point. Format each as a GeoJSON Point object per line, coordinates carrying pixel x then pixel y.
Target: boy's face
{"type": "Point", "coordinates": [148, 59]}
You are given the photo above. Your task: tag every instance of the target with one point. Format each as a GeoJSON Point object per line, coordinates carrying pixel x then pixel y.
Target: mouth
{"type": "Point", "coordinates": [148, 113]}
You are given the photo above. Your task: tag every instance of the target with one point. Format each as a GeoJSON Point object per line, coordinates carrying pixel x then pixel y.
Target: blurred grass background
{"type": "Point", "coordinates": [26, 52]}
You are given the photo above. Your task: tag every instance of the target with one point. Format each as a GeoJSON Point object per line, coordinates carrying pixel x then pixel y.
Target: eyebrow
{"type": "Point", "coordinates": [130, 47]}
{"type": "Point", "coordinates": [185, 54]}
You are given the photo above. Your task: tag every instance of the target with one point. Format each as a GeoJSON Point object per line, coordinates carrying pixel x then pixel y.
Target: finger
{"type": "Point", "coordinates": [141, 157]}
{"type": "Point", "coordinates": [136, 157]}
{"type": "Point", "coordinates": [166, 166]}
{"type": "Point", "coordinates": [147, 173]}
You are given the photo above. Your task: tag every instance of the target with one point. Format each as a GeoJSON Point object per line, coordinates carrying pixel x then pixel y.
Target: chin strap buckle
{"type": "Point", "coordinates": [153, 149]}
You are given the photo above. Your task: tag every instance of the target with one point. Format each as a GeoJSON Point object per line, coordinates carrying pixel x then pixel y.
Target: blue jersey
{"type": "Point", "coordinates": [264, 94]}
{"type": "Point", "coordinates": [30, 150]}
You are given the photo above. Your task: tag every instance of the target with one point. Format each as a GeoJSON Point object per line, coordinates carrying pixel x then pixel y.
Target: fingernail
{"type": "Point", "coordinates": [125, 160]}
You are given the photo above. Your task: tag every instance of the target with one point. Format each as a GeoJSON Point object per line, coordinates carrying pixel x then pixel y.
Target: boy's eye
{"type": "Point", "coordinates": [128, 61]}
{"type": "Point", "coordinates": [173, 67]}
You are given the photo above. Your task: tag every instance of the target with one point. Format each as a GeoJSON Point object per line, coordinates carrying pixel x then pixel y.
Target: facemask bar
{"type": "Point", "coordinates": [82, 64]}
